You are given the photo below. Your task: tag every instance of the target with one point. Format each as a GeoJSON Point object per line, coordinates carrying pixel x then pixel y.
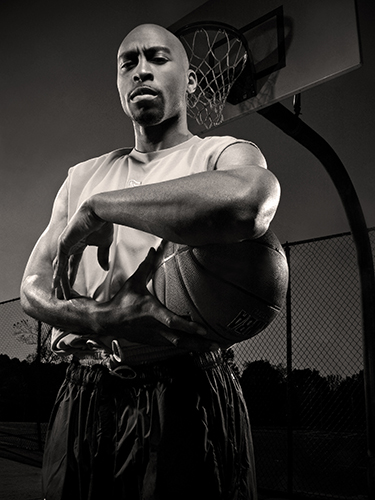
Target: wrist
{"type": "Point", "coordinates": [76, 315]}
{"type": "Point", "coordinates": [85, 314]}
{"type": "Point", "coordinates": [93, 204]}
{"type": "Point", "coordinates": [99, 318]}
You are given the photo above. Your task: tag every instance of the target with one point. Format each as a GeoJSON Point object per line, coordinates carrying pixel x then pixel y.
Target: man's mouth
{"type": "Point", "coordinates": [142, 93]}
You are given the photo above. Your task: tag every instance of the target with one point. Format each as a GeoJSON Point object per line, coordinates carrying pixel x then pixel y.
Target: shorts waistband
{"type": "Point", "coordinates": [168, 368]}
{"type": "Point", "coordinates": [183, 365]}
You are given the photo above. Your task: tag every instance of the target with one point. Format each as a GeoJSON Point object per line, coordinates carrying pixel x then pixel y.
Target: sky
{"type": "Point", "coordinates": [59, 106]}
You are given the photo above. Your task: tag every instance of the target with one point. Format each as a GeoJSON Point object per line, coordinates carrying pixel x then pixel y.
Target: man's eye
{"type": "Point", "coordinates": [127, 64]}
{"type": "Point", "coordinates": [159, 60]}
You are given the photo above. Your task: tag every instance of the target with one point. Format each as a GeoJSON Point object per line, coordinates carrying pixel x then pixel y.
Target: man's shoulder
{"type": "Point", "coordinates": [100, 173]}
{"type": "Point", "coordinates": [104, 159]}
{"type": "Point", "coordinates": [215, 146]}
{"type": "Point", "coordinates": [226, 140]}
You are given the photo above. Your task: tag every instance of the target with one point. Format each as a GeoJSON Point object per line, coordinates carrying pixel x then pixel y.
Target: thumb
{"type": "Point", "coordinates": [146, 267]}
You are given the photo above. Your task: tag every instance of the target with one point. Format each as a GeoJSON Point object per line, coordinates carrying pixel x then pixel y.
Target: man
{"type": "Point", "coordinates": [162, 415]}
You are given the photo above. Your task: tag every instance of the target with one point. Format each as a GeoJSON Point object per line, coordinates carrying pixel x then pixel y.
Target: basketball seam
{"type": "Point", "coordinates": [277, 250]}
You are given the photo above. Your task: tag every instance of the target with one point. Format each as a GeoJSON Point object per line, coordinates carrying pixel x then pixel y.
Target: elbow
{"type": "Point", "coordinates": [260, 208]}
{"type": "Point", "coordinates": [260, 225]}
{"type": "Point", "coordinates": [26, 297]}
{"type": "Point", "coordinates": [254, 224]}
{"type": "Point", "coordinates": [264, 216]}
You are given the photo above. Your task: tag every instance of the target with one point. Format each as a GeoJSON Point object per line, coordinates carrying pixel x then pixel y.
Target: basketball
{"type": "Point", "coordinates": [234, 290]}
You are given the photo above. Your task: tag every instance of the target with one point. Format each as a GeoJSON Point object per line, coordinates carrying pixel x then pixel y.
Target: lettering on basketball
{"type": "Point", "coordinates": [243, 324]}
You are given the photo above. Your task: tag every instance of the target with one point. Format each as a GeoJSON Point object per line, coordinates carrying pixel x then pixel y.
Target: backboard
{"type": "Point", "coordinates": [295, 44]}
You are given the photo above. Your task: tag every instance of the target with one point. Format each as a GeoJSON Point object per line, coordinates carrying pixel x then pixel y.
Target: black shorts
{"type": "Point", "coordinates": [174, 430]}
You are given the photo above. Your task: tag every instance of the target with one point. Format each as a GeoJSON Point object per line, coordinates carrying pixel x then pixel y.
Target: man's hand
{"type": "Point", "coordinates": [84, 229]}
{"type": "Point", "coordinates": [136, 315]}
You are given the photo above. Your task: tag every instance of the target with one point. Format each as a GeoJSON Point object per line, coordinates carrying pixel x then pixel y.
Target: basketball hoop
{"type": "Point", "coordinates": [218, 53]}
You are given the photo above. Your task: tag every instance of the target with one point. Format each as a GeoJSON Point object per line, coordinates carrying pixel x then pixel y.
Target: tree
{"type": "Point", "coordinates": [311, 398]}
{"type": "Point", "coordinates": [351, 397]}
{"type": "Point", "coordinates": [34, 332]}
{"type": "Point", "coordinates": [28, 390]}
{"type": "Point", "coordinates": [264, 389]}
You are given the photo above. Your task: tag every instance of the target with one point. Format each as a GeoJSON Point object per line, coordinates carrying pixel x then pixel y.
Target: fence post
{"type": "Point", "coordinates": [39, 382]}
{"type": "Point", "coordinates": [289, 368]}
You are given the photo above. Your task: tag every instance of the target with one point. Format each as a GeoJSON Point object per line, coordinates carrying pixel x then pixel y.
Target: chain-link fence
{"type": "Point", "coordinates": [302, 378]}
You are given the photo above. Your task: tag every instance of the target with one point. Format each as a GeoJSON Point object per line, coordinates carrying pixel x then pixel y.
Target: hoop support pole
{"type": "Point", "coordinates": [313, 142]}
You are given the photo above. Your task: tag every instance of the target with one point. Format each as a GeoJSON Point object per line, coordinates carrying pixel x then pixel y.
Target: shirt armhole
{"type": "Point", "coordinates": [213, 163]}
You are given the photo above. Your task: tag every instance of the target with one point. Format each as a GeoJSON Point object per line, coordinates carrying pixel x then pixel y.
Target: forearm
{"type": "Point", "coordinates": [196, 210]}
{"type": "Point", "coordinates": [75, 315]}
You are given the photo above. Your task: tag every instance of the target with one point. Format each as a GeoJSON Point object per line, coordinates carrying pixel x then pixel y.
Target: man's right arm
{"type": "Point", "coordinates": [37, 297]}
{"type": "Point", "coordinates": [133, 313]}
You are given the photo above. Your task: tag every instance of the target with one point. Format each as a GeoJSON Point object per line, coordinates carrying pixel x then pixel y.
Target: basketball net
{"type": "Point", "coordinates": [217, 53]}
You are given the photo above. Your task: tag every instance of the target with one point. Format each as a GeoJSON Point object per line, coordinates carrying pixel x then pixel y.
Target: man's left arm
{"type": "Point", "coordinates": [236, 201]}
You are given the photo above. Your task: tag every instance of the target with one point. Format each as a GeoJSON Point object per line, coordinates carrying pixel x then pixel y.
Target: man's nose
{"type": "Point", "coordinates": [143, 71]}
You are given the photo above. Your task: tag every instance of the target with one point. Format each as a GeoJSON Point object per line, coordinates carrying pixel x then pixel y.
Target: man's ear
{"type": "Point", "coordinates": [192, 82]}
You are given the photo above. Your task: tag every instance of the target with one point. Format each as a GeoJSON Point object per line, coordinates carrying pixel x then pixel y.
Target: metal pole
{"type": "Point", "coordinates": [289, 368]}
{"type": "Point", "coordinates": [311, 140]}
{"type": "Point", "coordinates": [39, 382]}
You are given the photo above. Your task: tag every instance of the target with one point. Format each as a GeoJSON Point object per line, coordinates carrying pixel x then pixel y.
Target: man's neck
{"type": "Point", "coordinates": [163, 136]}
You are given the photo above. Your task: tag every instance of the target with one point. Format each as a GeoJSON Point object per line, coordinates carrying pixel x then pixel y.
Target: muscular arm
{"type": "Point", "coordinates": [37, 297]}
{"type": "Point", "coordinates": [235, 202]}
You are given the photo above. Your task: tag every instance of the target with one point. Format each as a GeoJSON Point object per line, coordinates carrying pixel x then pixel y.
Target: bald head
{"type": "Point", "coordinates": [153, 75]}
{"type": "Point", "coordinates": [146, 34]}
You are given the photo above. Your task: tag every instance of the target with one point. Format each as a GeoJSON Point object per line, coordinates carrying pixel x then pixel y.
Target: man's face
{"type": "Point", "coordinates": [153, 75]}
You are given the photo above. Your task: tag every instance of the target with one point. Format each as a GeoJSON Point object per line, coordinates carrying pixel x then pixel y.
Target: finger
{"type": "Point", "coordinates": [103, 257]}
{"type": "Point", "coordinates": [152, 259]}
{"type": "Point", "coordinates": [160, 254]}
{"type": "Point", "coordinates": [193, 343]}
{"type": "Point", "coordinates": [145, 269]}
{"type": "Point", "coordinates": [74, 262]}
{"type": "Point", "coordinates": [65, 285]}
{"type": "Point", "coordinates": [174, 321]}
{"type": "Point", "coordinates": [161, 247]}
{"type": "Point", "coordinates": [60, 280]}
{"type": "Point", "coordinates": [59, 265]}
{"type": "Point", "coordinates": [58, 293]}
